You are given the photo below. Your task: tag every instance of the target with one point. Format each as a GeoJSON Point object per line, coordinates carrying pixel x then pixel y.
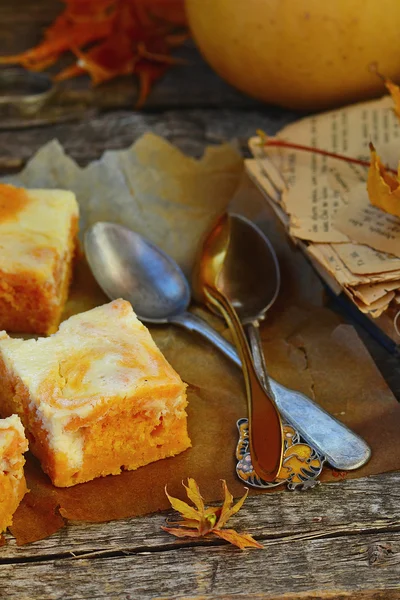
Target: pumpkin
{"type": "Point", "coordinates": [300, 54]}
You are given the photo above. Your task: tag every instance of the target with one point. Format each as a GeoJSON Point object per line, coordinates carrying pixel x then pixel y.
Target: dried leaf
{"type": "Point", "coordinates": [208, 520]}
{"type": "Point", "coordinates": [242, 540]}
{"type": "Point", "coordinates": [181, 532]}
{"type": "Point", "coordinates": [190, 523]}
{"type": "Point", "coordinates": [193, 493]}
{"type": "Point", "coordinates": [186, 511]}
{"type": "Point", "coordinates": [227, 510]}
{"type": "Point", "coordinates": [383, 188]}
{"type": "Point", "coordinates": [111, 38]}
{"type": "Point", "coordinates": [394, 91]}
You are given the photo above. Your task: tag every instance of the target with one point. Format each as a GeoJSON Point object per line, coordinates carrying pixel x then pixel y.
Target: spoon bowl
{"type": "Point", "coordinates": [213, 281]}
{"type": "Point", "coordinates": [250, 276]}
{"type": "Point", "coordinates": [128, 266]}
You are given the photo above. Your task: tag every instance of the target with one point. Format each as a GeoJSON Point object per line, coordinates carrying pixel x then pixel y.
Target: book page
{"type": "Point", "coordinates": [371, 293]}
{"type": "Point", "coordinates": [328, 258]}
{"type": "Point", "coordinates": [362, 259]}
{"type": "Point", "coordinates": [377, 308]}
{"type": "Point", "coordinates": [364, 223]}
{"type": "Point", "coordinates": [313, 197]}
{"type": "Point", "coordinates": [345, 276]}
{"type": "Point", "coordinates": [354, 245]}
{"type": "Point", "coordinates": [258, 176]}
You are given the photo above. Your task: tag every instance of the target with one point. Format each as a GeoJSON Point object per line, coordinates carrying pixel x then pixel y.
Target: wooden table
{"type": "Point", "coordinates": [341, 540]}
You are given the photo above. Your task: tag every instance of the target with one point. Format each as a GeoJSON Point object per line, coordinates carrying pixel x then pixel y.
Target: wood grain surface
{"type": "Point", "coordinates": [338, 541]}
{"type": "Point", "coordinates": [341, 537]}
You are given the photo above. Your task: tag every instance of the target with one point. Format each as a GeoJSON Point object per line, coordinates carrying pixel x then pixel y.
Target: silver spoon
{"type": "Point", "coordinates": [128, 266]}
{"type": "Point", "coordinates": [250, 277]}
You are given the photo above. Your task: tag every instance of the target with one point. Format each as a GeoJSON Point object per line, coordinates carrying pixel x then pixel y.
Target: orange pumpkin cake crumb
{"type": "Point", "coordinates": [96, 398]}
{"type": "Point", "coordinates": [37, 243]}
{"type": "Point", "coordinates": [13, 444]}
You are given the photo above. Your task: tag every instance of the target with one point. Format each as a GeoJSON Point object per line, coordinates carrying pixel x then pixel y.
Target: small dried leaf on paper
{"type": "Point", "coordinates": [383, 187]}
{"type": "Point", "coordinates": [209, 521]}
{"type": "Point", "coordinates": [394, 91]}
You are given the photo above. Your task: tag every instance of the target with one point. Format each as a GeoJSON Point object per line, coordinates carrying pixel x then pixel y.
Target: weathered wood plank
{"type": "Point", "coordinates": [336, 509]}
{"type": "Point", "coordinates": [335, 564]}
{"type": "Point", "coordinates": [191, 130]}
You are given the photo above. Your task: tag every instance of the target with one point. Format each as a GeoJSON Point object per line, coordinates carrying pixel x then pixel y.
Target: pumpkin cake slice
{"type": "Point", "coordinates": [97, 397]}
{"type": "Point", "coordinates": [37, 243]}
{"type": "Point", "coordinates": [13, 444]}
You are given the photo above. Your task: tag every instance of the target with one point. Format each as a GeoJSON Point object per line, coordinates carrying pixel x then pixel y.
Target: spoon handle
{"type": "Point", "coordinates": [253, 335]}
{"type": "Point", "coordinates": [344, 449]}
{"type": "Point", "coordinates": [265, 427]}
{"type": "Point", "coordinates": [195, 324]}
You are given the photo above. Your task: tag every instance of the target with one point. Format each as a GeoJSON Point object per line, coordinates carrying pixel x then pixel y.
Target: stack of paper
{"type": "Point", "coordinates": [323, 202]}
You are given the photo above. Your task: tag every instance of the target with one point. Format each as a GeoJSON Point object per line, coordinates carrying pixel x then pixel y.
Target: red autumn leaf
{"type": "Point", "coordinates": [111, 38]}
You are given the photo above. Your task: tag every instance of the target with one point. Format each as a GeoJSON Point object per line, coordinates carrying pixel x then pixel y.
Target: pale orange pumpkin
{"type": "Point", "coordinates": [301, 54]}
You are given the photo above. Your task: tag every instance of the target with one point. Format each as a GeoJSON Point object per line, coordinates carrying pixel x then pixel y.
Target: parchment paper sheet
{"type": "Point", "coordinates": [306, 348]}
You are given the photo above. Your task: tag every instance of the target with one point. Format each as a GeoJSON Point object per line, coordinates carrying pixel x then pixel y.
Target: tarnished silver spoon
{"type": "Point", "coordinates": [128, 266]}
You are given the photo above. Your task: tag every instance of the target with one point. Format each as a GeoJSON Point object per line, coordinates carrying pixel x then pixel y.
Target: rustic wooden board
{"type": "Point", "coordinates": [190, 130]}
{"type": "Point", "coordinates": [345, 563]}
{"type": "Point", "coordinates": [341, 536]}
{"type": "Point", "coordinates": [338, 541]}
{"type": "Point", "coordinates": [330, 510]}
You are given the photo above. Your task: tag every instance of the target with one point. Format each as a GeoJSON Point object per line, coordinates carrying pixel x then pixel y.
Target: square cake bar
{"type": "Point", "coordinates": [97, 397]}
{"type": "Point", "coordinates": [13, 444]}
{"type": "Point", "coordinates": [37, 243]}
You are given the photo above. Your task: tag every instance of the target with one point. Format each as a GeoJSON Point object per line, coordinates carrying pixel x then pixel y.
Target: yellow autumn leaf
{"type": "Point", "coordinates": [394, 91]}
{"type": "Point", "coordinates": [383, 187]}
{"type": "Point", "coordinates": [201, 521]}
{"type": "Point", "coordinates": [186, 511]}
{"type": "Point", "coordinates": [193, 493]}
{"type": "Point", "coordinates": [181, 532]}
{"type": "Point", "coordinates": [227, 510]}
{"type": "Point", "coordinates": [242, 540]}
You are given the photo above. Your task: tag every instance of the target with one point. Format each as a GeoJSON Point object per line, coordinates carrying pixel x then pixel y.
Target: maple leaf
{"type": "Point", "coordinates": [200, 521]}
{"type": "Point", "coordinates": [394, 91]}
{"type": "Point", "coordinates": [111, 38]}
{"type": "Point", "coordinates": [383, 187]}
